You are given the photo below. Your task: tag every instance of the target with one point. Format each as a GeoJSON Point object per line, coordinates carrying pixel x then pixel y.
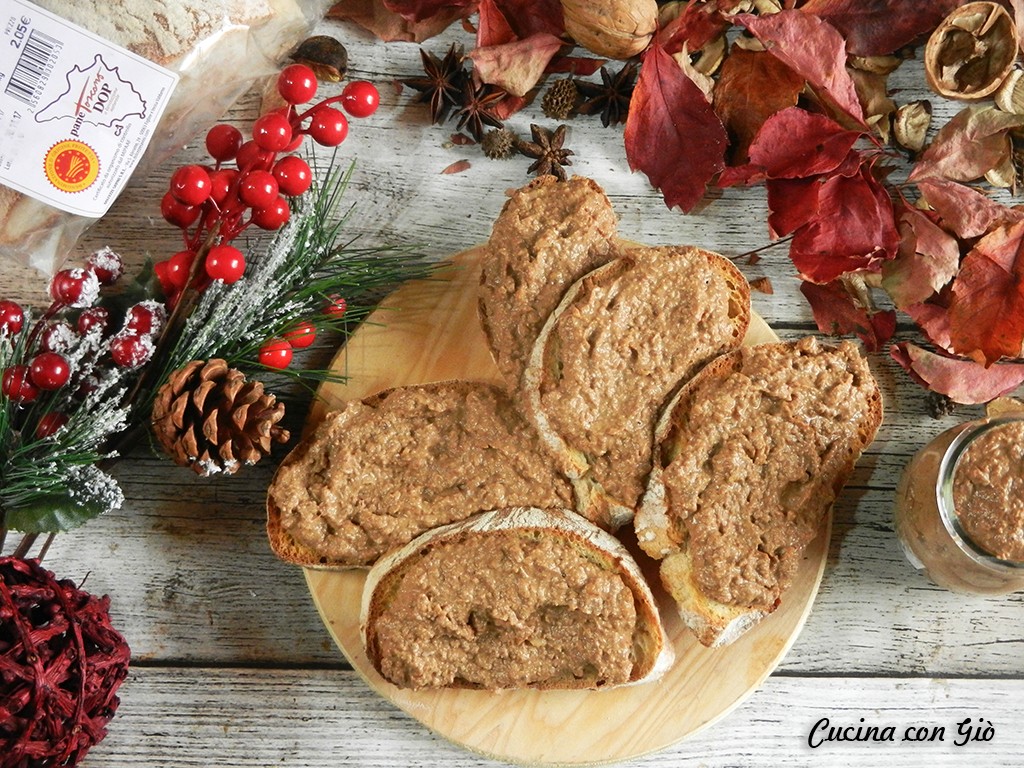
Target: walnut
{"type": "Point", "coordinates": [617, 29]}
{"type": "Point", "coordinates": [971, 52]}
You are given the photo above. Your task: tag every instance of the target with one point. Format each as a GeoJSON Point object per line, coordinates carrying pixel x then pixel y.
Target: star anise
{"type": "Point", "coordinates": [611, 96]}
{"type": "Point", "coordinates": [443, 82]}
{"type": "Point", "coordinates": [547, 152]}
{"type": "Point", "coordinates": [477, 109]}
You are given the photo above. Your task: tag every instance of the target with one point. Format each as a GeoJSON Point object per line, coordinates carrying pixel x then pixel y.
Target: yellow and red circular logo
{"type": "Point", "coordinates": [71, 165]}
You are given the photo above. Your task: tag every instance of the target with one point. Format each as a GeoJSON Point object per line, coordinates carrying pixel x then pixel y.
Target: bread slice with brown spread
{"type": "Point", "coordinates": [548, 234]}
{"type": "Point", "coordinates": [380, 471]}
{"type": "Point", "coordinates": [748, 460]}
{"type": "Point", "coordinates": [513, 598]}
{"type": "Point", "coordinates": [620, 342]}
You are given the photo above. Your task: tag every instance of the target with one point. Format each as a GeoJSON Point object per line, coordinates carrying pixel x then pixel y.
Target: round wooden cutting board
{"type": "Point", "coordinates": [428, 331]}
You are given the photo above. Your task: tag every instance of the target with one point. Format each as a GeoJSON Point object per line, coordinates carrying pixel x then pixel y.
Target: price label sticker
{"type": "Point", "coordinates": [76, 111]}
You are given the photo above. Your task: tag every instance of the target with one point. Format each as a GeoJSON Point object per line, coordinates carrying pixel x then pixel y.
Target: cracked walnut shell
{"type": "Point", "coordinates": [971, 52]}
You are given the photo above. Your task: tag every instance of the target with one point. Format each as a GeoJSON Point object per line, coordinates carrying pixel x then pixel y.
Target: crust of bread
{"type": "Point", "coordinates": [593, 501]}
{"type": "Point", "coordinates": [652, 651]}
{"type": "Point", "coordinates": [714, 623]}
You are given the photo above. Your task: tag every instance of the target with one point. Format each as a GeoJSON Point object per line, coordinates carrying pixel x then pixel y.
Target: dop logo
{"type": "Point", "coordinates": [71, 165]}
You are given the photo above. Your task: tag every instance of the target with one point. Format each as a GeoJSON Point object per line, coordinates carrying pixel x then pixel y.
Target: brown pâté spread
{"type": "Point", "coordinates": [379, 472]}
{"type": "Point", "coordinates": [506, 609]}
{"type": "Point", "coordinates": [758, 456]}
{"type": "Point", "coordinates": [633, 331]}
{"type": "Point", "coordinates": [988, 491]}
{"type": "Point", "coordinates": [548, 235]}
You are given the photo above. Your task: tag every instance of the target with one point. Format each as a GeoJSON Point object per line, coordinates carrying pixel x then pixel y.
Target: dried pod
{"type": "Point", "coordinates": [910, 125]}
{"type": "Point", "coordinates": [616, 29]}
{"type": "Point", "coordinates": [876, 65]}
{"type": "Point", "coordinates": [1010, 96]}
{"type": "Point", "coordinates": [325, 55]}
{"type": "Point", "coordinates": [971, 52]}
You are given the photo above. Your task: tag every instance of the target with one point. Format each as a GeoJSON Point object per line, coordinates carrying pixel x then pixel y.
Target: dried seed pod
{"type": "Point", "coordinates": [325, 55]}
{"type": "Point", "coordinates": [910, 125]}
{"type": "Point", "coordinates": [616, 29]}
{"type": "Point", "coordinates": [1010, 96]}
{"type": "Point", "coordinates": [971, 52]}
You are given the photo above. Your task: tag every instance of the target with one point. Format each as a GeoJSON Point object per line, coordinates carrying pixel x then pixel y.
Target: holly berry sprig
{"type": "Point", "coordinates": [214, 204]}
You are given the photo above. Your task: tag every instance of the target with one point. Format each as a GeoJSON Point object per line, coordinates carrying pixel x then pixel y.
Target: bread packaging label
{"type": "Point", "coordinates": [76, 111]}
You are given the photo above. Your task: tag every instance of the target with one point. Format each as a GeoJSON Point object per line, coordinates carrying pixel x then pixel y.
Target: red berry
{"type": "Point", "coordinates": [190, 185]}
{"type": "Point", "coordinates": [251, 157]}
{"type": "Point", "coordinates": [108, 266]}
{"type": "Point", "coordinates": [93, 317]}
{"type": "Point", "coordinates": [272, 132]}
{"type": "Point", "coordinates": [49, 423]}
{"type": "Point", "coordinates": [273, 216]}
{"type": "Point", "coordinates": [173, 272]}
{"type": "Point", "coordinates": [75, 287]}
{"type": "Point", "coordinates": [223, 141]}
{"type": "Point", "coordinates": [178, 214]}
{"type": "Point", "coordinates": [145, 317]}
{"type": "Point", "coordinates": [297, 84]}
{"type": "Point", "coordinates": [17, 386]}
{"type": "Point", "coordinates": [49, 370]}
{"type": "Point", "coordinates": [328, 126]}
{"type": "Point", "coordinates": [12, 317]}
{"type": "Point", "coordinates": [59, 337]}
{"type": "Point", "coordinates": [293, 175]}
{"type": "Point", "coordinates": [336, 306]}
{"type": "Point", "coordinates": [258, 189]}
{"type": "Point", "coordinates": [225, 262]}
{"type": "Point", "coordinates": [302, 335]}
{"type": "Point", "coordinates": [130, 350]}
{"type": "Point", "coordinates": [276, 353]}
{"type": "Point", "coordinates": [220, 184]}
{"type": "Point", "coordinates": [360, 98]}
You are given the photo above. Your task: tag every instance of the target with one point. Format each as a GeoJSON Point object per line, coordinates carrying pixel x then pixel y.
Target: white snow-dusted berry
{"type": "Point", "coordinates": [107, 264]}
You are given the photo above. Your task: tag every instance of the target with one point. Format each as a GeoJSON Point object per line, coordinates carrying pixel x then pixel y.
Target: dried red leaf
{"type": "Point", "coordinates": [928, 259]}
{"type": "Point", "coordinates": [582, 66]}
{"type": "Point", "coordinates": [458, 167]}
{"type": "Point", "coordinates": [462, 140]}
{"type": "Point", "coordinates": [879, 27]}
{"type": "Point", "coordinates": [964, 211]}
{"type": "Point", "coordinates": [422, 10]}
{"type": "Point", "coordinates": [932, 319]}
{"type": "Point", "coordinates": [508, 106]}
{"type": "Point", "coordinates": [972, 143]}
{"type": "Point", "coordinates": [492, 26]}
{"type": "Point", "coordinates": [837, 313]}
{"type": "Point", "coordinates": [752, 86]}
{"type": "Point", "coordinates": [528, 17]}
{"type": "Point", "coordinates": [987, 309]}
{"type": "Point", "coordinates": [672, 133]}
{"type": "Point", "coordinates": [762, 285]}
{"type": "Point", "coordinates": [814, 49]}
{"type": "Point", "coordinates": [696, 26]}
{"type": "Point", "coordinates": [963, 381]}
{"type": "Point", "coordinates": [516, 66]}
{"type": "Point", "coordinates": [389, 26]}
{"type": "Point", "coordinates": [853, 228]}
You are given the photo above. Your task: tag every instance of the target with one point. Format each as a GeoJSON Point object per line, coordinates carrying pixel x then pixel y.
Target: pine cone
{"type": "Point", "coordinates": [560, 99]}
{"type": "Point", "coordinates": [208, 417]}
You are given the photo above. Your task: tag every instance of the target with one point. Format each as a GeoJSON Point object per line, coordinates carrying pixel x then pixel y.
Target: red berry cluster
{"type": "Point", "coordinates": [214, 204]}
{"type": "Point", "coordinates": [71, 338]}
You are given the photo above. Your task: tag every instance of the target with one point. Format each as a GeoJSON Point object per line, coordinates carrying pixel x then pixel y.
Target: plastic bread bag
{"type": "Point", "coordinates": [73, 108]}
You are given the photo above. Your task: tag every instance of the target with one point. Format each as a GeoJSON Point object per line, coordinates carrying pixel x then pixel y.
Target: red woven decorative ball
{"type": "Point", "coordinates": [61, 663]}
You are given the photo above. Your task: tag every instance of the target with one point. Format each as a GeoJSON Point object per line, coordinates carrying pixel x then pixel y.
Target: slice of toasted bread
{"type": "Point", "coordinates": [548, 234]}
{"type": "Point", "coordinates": [748, 459]}
{"type": "Point", "coordinates": [513, 598]}
{"type": "Point", "coordinates": [378, 472]}
{"type": "Point", "coordinates": [620, 342]}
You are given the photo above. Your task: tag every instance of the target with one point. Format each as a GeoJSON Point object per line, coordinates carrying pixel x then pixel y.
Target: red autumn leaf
{"type": "Point", "coordinates": [814, 49]}
{"type": "Point", "coordinates": [854, 228]}
{"type": "Point", "coordinates": [390, 26]}
{"type": "Point", "coordinates": [837, 314]}
{"type": "Point", "coordinates": [696, 26]}
{"type": "Point", "coordinates": [987, 310]}
{"type": "Point", "coordinates": [928, 259]}
{"type": "Point", "coordinates": [932, 319]}
{"type": "Point", "coordinates": [963, 210]}
{"type": "Point", "coordinates": [528, 17]}
{"type": "Point", "coordinates": [581, 66]}
{"type": "Point", "coordinates": [879, 27]}
{"type": "Point", "coordinates": [963, 381]}
{"type": "Point", "coordinates": [421, 10]}
{"type": "Point", "coordinates": [753, 86]}
{"type": "Point", "coordinates": [457, 167]}
{"type": "Point", "coordinates": [515, 66]}
{"type": "Point", "coordinates": [672, 133]}
{"type": "Point", "coordinates": [973, 142]}
{"type": "Point", "coordinates": [792, 203]}
{"type": "Point", "coordinates": [492, 27]}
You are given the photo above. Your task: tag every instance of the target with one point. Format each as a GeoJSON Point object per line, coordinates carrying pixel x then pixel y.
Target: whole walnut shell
{"type": "Point", "coordinates": [616, 29]}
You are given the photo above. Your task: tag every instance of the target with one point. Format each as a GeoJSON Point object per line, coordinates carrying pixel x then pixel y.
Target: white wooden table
{"type": "Point", "coordinates": [231, 664]}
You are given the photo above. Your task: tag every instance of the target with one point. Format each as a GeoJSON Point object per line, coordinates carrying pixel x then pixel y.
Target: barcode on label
{"type": "Point", "coordinates": [32, 67]}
